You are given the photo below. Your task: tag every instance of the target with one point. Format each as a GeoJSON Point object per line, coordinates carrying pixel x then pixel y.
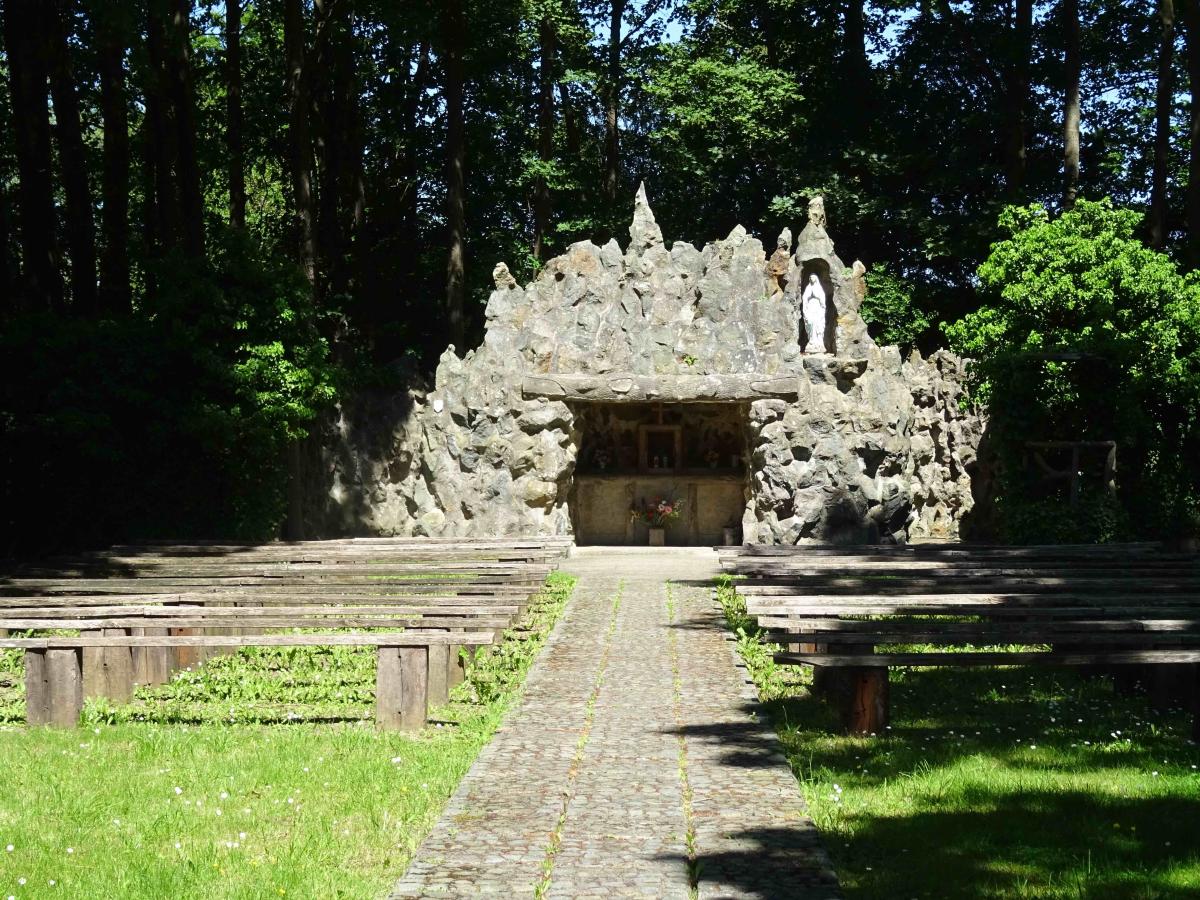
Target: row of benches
{"type": "Point", "coordinates": [142, 612]}
{"type": "Point", "coordinates": [850, 612]}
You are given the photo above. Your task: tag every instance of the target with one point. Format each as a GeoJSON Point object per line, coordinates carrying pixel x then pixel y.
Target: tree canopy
{"type": "Point", "coordinates": [239, 211]}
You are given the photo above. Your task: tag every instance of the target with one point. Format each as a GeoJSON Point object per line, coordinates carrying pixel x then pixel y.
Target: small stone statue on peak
{"type": "Point", "coordinates": [503, 278]}
{"type": "Point", "coordinates": [812, 310]}
{"type": "Point", "coordinates": [779, 263]}
{"type": "Point", "coordinates": [816, 211]}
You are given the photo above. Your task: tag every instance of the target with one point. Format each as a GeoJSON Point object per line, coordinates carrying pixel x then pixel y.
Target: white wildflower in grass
{"type": "Point", "coordinates": [21, 881]}
{"type": "Point", "coordinates": [178, 845]}
{"type": "Point", "coordinates": [218, 812]}
{"type": "Point", "coordinates": [9, 848]}
{"type": "Point", "coordinates": [224, 795]}
{"type": "Point", "coordinates": [70, 850]}
{"type": "Point", "coordinates": [241, 835]}
{"type": "Point", "coordinates": [178, 791]}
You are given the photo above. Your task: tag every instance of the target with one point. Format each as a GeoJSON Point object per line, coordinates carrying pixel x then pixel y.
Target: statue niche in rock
{"type": "Point", "coordinates": [813, 312]}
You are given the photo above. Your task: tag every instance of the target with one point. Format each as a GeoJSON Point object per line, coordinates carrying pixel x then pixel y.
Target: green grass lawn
{"type": "Point", "coordinates": [259, 775]}
{"type": "Point", "coordinates": [1005, 782]}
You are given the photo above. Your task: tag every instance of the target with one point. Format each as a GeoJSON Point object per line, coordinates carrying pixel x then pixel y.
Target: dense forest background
{"type": "Point", "coordinates": [218, 218]}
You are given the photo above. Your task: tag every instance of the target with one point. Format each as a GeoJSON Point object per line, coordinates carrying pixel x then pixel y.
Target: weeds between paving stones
{"type": "Point", "coordinates": [151, 806]}
{"type": "Point", "coordinates": [685, 786]}
{"type": "Point", "coordinates": [543, 884]}
{"type": "Point", "coordinates": [992, 783]}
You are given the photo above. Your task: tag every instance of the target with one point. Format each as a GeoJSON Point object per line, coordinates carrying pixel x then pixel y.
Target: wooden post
{"type": "Point", "coordinates": [108, 671]}
{"type": "Point", "coordinates": [438, 677]}
{"type": "Point", "coordinates": [53, 687]}
{"type": "Point", "coordinates": [1196, 703]}
{"type": "Point", "coordinates": [401, 688]}
{"type": "Point", "coordinates": [860, 693]}
{"type": "Point", "coordinates": [866, 708]}
{"type": "Point", "coordinates": [1170, 685]}
{"type": "Point", "coordinates": [151, 665]}
{"type": "Point", "coordinates": [455, 668]}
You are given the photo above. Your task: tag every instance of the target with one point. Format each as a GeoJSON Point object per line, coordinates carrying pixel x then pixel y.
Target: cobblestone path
{"type": "Point", "coordinates": [633, 765]}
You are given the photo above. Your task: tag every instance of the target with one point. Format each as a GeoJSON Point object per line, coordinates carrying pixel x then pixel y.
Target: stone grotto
{"type": "Point", "coordinates": [620, 376]}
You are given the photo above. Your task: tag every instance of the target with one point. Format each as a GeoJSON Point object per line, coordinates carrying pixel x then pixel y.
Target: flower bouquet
{"type": "Point", "coordinates": [657, 515]}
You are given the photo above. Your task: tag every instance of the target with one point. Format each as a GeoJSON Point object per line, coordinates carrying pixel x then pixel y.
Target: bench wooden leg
{"type": "Point", "coordinates": [820, 674]}
{"type": "Point", "coordinates": [1170, 686]}
{"type": "Point", "coordinates": [456, 672]}
{"type": "Point", "coordinates": [401, 688]}
{"type": "Point", "coordinates": [151, 665]}
{"type": "Point", "coordinates": [1196, 703]}
{"type": "Point", "coordinates": [439, 674]}
{"type": "Point", "coordinates": [865, 704]}
{"type": "Point", "coordinates": [53, 687]}
{"type": "Point", "coordinates": [108, 671]}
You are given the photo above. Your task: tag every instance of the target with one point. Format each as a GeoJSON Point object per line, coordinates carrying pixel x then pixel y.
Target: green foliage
{"type": "Point", "coordinates": [170, 421]}
{"type": "Point", "coordinates": [259, 774]}
{"type": "Point", "coordinates": [1098, 519]}
{"type": "Point", "coordinates": [1087, 334]}
{"type": "Point", "coordinates": [891, 310]}
{"type": "Point", "coordinates": [991, 782]}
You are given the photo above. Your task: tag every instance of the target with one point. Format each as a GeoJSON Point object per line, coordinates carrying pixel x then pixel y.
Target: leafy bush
{"type": "Point", "coordinates": [890, 310]}
{"type": "Point", "coordinates": [172, 421]}
{"type": "Point", "coordinates": [1088, 334]}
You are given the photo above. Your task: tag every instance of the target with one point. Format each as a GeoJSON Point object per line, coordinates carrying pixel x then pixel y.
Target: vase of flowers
{"type": "Point", "coordinates": [656, 516]}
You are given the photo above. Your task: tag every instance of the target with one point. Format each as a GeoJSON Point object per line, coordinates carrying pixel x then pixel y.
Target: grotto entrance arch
{"type": "Point", "coordinates": [640, 438]}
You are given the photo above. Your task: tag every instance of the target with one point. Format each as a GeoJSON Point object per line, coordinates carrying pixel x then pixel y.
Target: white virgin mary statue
{"type": "Point", "coordinates": [812, 310]}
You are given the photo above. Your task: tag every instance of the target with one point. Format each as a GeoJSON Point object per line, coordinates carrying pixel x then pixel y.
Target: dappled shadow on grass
{"type": "Point", "coordinates": [1003, 782]}
{"type": "Point", "coordinates": [1029, 843]}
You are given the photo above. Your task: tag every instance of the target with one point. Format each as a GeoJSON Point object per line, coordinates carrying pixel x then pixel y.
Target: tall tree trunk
{"type": "Point", "coordinates": [301, 161]}
{"type": "Point", "coordinates": [81, 225]}
{"type": "Point", "coordinates": [612, 103]}
{"type": "Point", "coordinates": [353, 189]}
{"type": "Point", "coordinates": [1017, 97]}
{"type": "Point", "coordinates": [114, 186]}
{"type": "Point", "coordinates": [233, 111]}
{"type": "Point", "coordinates": [24, 20]}
{"type": "Point", "coordinates": [1157, 219]}
{"type": "Point", "coordinates": [856, 66]}
{"type": "Point", "coordinates": [328, 132]}
{"type": "Point", "coordinates": [152, 234]}
{"type": "Point", "coordinates": [410, 232]}
{"type": "Point", "coordinates": [574, 136]}
{"type": "Point", "coordinates": [1072, 59]}
{"type": "Point", "coordinates": [183, 101]}
{"type": "Point", "coordinates": [161, 135]}
{"type": "Point", "coordinates": [8, 267]}
{"type": "Point", "coordinates": [542, 208]}
{"type": "Point", "coordinates": [300, 151]}
{"type": "Point", "coordinates": [1190, 17]}
{"type": "Point", "coordinates": [453, 32]}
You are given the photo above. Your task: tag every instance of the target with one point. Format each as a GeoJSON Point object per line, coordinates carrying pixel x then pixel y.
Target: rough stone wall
{"type": "Point", "coordinates": [874, 448]}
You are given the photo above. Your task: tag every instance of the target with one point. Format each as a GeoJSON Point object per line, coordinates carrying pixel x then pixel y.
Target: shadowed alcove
{"type": "Point", "coordinates": [631, 453]}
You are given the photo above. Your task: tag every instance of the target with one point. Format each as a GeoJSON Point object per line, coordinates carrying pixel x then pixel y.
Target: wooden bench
{"type": "Point", "coordinates": [54, 680]}
{"type": "Point", "coordinates": [1090, 606]}
{"type": "Point", "coordinates": [144, 611]}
